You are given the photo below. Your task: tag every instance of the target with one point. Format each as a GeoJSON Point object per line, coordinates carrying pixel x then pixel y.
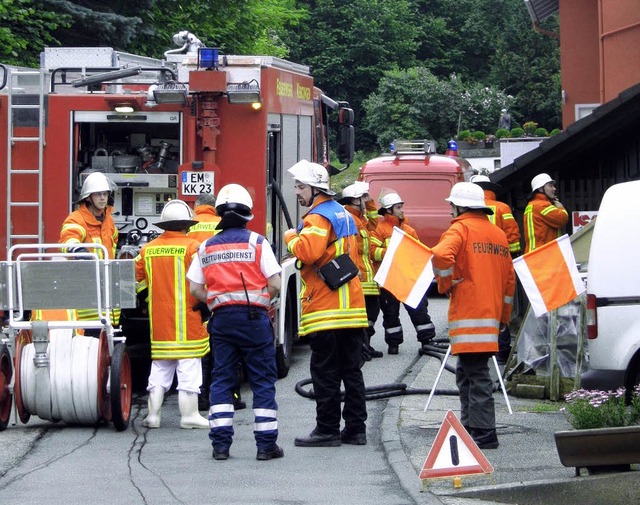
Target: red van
{"type": "Point", "coordinates": [422, 179]}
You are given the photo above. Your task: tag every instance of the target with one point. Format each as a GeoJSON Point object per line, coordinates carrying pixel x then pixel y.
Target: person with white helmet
{"type": "Point", "coordinates": [355, 198]}
{"type": "Point", "coordinates": [544, 216]}
{"type": "Point", "coordinates": [333, 319]}
{"type": "Point", "coordinates": [204, 212]}
{"type": "Point", "coordinates": [92, 223]}
{"type": "Point", "coordinates": [236, 273]}
{"type": "Point", "coordinates": [178, 339]}
{"type": "Point", "coordinates": [392, 212]}
{"type": "Point", "coordinates": [473, 266]}
{"type": "Point", "coordinates": [503, 218]}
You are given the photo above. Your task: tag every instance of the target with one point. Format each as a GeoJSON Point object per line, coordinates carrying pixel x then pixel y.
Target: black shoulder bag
{"type": "Point", "coordinates": [341, 269]}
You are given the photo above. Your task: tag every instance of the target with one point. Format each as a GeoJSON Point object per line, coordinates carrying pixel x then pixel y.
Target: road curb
{"type": "Point", "coordinates": [394, 450]}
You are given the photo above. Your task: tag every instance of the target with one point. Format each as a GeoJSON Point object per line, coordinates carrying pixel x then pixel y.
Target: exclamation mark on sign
{"type": "Point", "coordinates": [453, 444]}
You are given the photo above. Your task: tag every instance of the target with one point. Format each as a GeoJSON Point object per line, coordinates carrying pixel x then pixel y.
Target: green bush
{"type": "Point", "coordinates": [517, 133]}
{"type": "Point", "coordinates": [464, 135]}
{"type": "Point", "coordinates": [555, 131]}
{"type": "Point", "coordinates": [479, 135]}
{"type": "Point", "coordinates": [541, 132]}
{"type": "Point", "coordinates": [502, 133]}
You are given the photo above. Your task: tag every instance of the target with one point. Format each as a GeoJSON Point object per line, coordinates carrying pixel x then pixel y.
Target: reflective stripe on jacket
{"type": "Point", "coordinates": [82, 227]}
{"type": "Point", "coordinates": [364, 264]}
{"type": "Point", "coordinates": [323, 308]}
{"type": "Point", "coordinates": [207, 222]}
{"type": "Point", "coordinates": [176, 329]}
{"type": "Point", "coordinates": [231, 266]}
{"type": "Point", "coordinates": [476, 253]}
{"type": "Point", "coordinates": [503, 218]}
{"type": "Point", "coordinates": [543, 222]}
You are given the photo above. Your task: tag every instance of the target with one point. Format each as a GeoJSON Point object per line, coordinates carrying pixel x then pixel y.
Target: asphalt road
{"type": "Point", "coordinates": [42, 462]}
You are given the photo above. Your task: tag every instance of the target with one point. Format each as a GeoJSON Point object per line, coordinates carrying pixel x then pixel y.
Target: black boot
{"type": "Point", "coordinates": [317, 439]}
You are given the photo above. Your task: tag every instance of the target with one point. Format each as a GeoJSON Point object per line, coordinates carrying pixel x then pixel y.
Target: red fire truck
{"type": "Point", "coordinates": [162, 129]}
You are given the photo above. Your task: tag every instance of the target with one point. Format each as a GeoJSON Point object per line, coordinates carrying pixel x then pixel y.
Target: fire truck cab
{"type": "Point", "coordinates": [423, 180]}
{"type": "Point", "coordinates": [162, 129]}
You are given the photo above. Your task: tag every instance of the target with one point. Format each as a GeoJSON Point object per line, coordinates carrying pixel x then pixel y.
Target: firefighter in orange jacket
{"type": "Point", "coordinates": [544, 216]}
{"type": "Point", "coordinates": [503, 218]}
{"type": "Point", "coordinates": [354, 197]}
{"type": "Point", "coordinates": [335, 320]}
{"type": "Point", "coordinates": [178, 338]}
{"type": "Point", "coordinates": [204, 212]}
{"type": "Point", "coordinates": [392, 212]}
{"type": "Point", "coordinates": [237, 275]}
{"type": "Point", "coordinates": [91, 223]}
{"type": "Point", "coordinates": [473, 267]}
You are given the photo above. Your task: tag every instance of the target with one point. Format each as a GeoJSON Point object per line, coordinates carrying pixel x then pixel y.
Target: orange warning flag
{"type": "Point", "coordinates": [550, 275]}
{"type": "Point", "coordinates": [454, 452]}
{"type": "Point", "coordinates": [406, 268]}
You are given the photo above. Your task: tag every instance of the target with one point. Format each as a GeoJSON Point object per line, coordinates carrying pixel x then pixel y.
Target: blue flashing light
{"type": "Point", "coordinates": [208, 58]}
{"type": "Point", "coordinates": [452, 145]}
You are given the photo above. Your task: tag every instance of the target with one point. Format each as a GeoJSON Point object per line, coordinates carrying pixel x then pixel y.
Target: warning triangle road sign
{"type": "Point", "coordinates": [454, 452]}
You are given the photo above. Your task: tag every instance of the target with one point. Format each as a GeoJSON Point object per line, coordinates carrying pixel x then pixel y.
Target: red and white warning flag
{"type": "Point", "coordinates": [549, 275]}
{"type": "Point", "coordinates": [406, 268]}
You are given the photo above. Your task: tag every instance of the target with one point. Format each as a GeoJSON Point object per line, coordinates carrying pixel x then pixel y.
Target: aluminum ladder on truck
{"type": "Point", "coordinates": [19, 105]}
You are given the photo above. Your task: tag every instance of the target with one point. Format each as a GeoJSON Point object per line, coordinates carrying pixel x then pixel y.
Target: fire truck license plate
{"type": "Point", "coordinates": [194, 183]}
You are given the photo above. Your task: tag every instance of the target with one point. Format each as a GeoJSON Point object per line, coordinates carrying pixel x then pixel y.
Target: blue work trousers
{"type": "Point", "coordinates": [235, 335]}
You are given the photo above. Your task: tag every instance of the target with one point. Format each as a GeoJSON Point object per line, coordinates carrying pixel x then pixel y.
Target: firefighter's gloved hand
{"type": "Point", "coordinates": [205, 313]}
{"type": "Point", "coordinates": [142, 296]}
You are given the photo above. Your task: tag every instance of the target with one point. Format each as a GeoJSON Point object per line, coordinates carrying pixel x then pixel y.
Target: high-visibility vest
{"type": "Point", "coordinates": [543, 222]}
{"type": "Point", "coordinates": [207, 222]}
{"type": "Point", "coordinates": [176, 329]}
{"type": "Point", "coordinates": [503, 218]}
{"type": "Point", "coordinates": [476, 253]}
{"type": "Point", "coordinates": [231, 266]}
{"type": "Point", "coordinates": [315, 245]}
{"type": "Point", "coordinates": [82, 227]}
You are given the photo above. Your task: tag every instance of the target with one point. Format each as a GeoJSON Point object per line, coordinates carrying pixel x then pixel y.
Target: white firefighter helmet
{"type": "Point", "coordinates": [485, 183]}
{"type": "Point", "coordinates": [389, 200]}
{"type": "Point", "coordinates": [468, 194]}
{"type": "Point", "coordinates": [540, 180]}
{"type": "Point", "coordinates": [313, 174]}
{"type": "Point", "coordinates": [234, 197]}
{"type": "Point", "coordinates": [176, 215]}
{"type": "Point", "coordinates": [355, 190]}
{"type": "Point", "coordinates": [96, 182]}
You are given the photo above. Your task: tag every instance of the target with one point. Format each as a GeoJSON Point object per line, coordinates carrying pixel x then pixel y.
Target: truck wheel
{"type": "Point", "coordinates": [283, 352]}
{"type": "Point", "coordinates": [6, 398]}
{"type": "Point", "coordinates": [120, 387]}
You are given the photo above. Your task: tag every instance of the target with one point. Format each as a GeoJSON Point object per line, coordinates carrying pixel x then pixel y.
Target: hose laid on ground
{"type": "Point", "coordinates": [435, 349]}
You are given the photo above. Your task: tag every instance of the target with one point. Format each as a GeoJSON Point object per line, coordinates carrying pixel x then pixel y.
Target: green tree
{"type": "Point", "coordinates": [414, 103]}
{"type": "Point", "coordinates": [351, 43]}
{"type": "Point", "coordinates": [248, 27]}
{"type": "Point", "coordinates": [25, 29]}
{"type": "Point", "coordinates": [114, 23]}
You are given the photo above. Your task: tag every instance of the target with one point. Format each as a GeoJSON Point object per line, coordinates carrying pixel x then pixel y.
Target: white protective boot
{"type": "Point", "coordinates": [154, 404]}
{"type": "Point", "coordinates": [191, 418]}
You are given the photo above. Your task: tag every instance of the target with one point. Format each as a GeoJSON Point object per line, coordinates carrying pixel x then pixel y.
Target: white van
{"type": "Point", "coordinates": [613, 292]}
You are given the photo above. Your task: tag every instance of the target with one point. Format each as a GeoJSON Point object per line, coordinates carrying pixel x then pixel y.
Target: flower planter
{"type": "Point", "coordinates": [599, 448]}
